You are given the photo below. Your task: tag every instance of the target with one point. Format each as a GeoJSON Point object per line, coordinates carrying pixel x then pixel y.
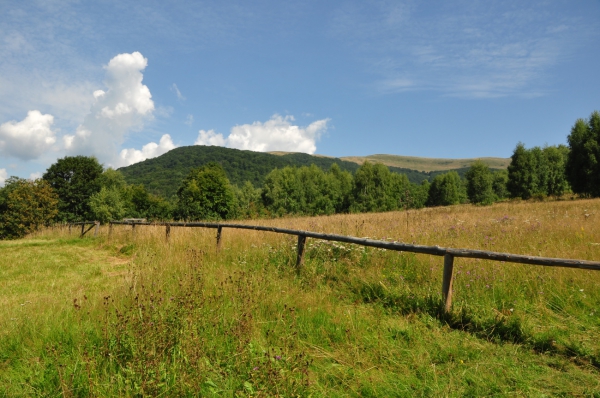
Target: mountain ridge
{"type": "Point", "coordinates": [162, 175]}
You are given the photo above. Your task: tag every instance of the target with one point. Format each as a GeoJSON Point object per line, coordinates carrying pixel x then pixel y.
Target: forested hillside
{"type": "Point", "coordinates": [163, 175]}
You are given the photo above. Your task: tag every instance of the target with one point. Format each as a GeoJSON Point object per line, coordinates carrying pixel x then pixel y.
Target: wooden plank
{"type": "Point", "coordinates": [447, 281]}
{"type": "Point", "coordinates": [219, 231]}
{"type": "Point", "coordinates": [397, 246]}
{"type": "Point", "coordinates": [300, 257]}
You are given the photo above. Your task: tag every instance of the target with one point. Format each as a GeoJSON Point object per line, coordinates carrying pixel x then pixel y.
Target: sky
{"type": "Point", "coordinates": [126, 81]}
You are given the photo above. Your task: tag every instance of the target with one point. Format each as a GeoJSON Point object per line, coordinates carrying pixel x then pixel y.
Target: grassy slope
{"type": "Point", "coordinates": [428, 164]}
{"type": "Point", "coordinates": [355, 323]}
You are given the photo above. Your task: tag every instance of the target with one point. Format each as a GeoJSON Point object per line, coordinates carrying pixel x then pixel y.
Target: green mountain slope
{"type": "Point", "coordinates": [163, 175]}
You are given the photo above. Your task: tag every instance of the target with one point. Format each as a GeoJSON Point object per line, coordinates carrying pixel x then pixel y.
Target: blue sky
{"type": "Point", "coordinates": [125, 81]}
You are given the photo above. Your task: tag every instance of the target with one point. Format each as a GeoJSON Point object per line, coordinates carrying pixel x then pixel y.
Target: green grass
{"type": "Point", "coordinates": [180, 319]}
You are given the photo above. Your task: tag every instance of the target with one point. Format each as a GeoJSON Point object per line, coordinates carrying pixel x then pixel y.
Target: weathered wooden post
{"type": "Point", "coordinates": [219, 231]}
{"type": "Point", "coordinates": [82, 227]}
{"type": "Point", "coordinates": [300, 258]}
{"type": "Point", "coordinates": [167, 231]}
{"type": "Point", "coordinates": [96, 229]}
{"type": "Point", "coordinates": [133, 229]}
{"type": "Point", "coordinates": [447, 281]}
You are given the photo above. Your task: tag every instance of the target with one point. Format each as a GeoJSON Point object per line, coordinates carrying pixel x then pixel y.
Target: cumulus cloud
{"type": "Point", "coordinates": [29, 138]}
{"type": "Point", "coordinates": [276, 134]}
{"type": "Point", "coordinates": [3, 177]}
{"type": "Point", "coordinates": [124, 106]}
{"type": "Point", "coordinates": [150, 150]}
{"type": "Point", "coordinates": [35, 176]}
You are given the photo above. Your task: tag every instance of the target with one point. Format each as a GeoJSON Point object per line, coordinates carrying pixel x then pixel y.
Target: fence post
{"type": "Point", "coordinates": [447, 281]}
{"type": "Point", "coordinates": [96, 229]}
{"type": "Point", "coordinates": [133, 229]}
{"type": "Point", "coordinates": [168, 231]}
{"type": "Point", "coordinates": [219, 231]}
{"type": "Point", "coordinates": [82, 227]}
{"type": "Point", "coordinates": [300, 258]}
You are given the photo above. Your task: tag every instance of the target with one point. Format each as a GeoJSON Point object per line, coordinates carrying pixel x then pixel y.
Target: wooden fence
{"type": "Point", "coordinates": [448, 253]}
{"type": "Point", "coordinates": [83, 224]}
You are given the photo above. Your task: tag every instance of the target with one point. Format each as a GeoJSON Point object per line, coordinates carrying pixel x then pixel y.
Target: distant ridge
{"type": "Point", "coordinates": [163, 175]}
{"type": "Point", "coordinates": [428, 164]}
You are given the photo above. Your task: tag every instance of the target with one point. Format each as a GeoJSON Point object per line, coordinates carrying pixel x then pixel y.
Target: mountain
{"type": "Point", "coordinates": [428, 164]}
{"type": "Point", "coordinates": [163, 175]}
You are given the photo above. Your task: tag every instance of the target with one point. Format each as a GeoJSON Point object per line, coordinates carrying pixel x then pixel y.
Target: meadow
{"type": "Point", "coordinates": [135, 315]}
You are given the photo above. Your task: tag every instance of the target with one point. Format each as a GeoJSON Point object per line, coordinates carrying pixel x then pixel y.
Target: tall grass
{"type": "Point", "coordinates": [178, 318]}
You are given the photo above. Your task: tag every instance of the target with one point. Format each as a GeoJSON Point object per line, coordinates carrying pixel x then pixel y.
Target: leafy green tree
{"type": "Point", "coordinates": [556, 175]}
{"type": "Point", "coordinates": [499, 181]}
{"type": "Point", "coordinates": [25, 206]}
{"type": "Point", "coordinates": [583, 162]}
{"type": "Point", "coordinates": [206, 194]}
{"type": "Point", "coordinates": [342, 188]}
{"type": "Point", "coordinates": [249, 201]}
{"type": "Point", "coordinates": [282, 192]}
{"type": "Point", "coordinates": [416, 195]}
{"type": "Point", "coordinates": [108, 204]}
{"type": "Point", "coordinates": [522, 177]}
{"type": "Point", "coordinates": [446, 189]}
{"type": "Point", "coordinates": [373, 189]}
{"type": "Point", "coordinates": [75, 180]}
{"type": "Point", "coordinates": [480, 184]}
{"type": "Point", "coordinates": [143, 204]}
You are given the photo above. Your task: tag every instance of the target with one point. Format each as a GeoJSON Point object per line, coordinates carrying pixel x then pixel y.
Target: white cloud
{"type": "Point", "coordinates": [189, 120]}
{"type": "Point", "coordinates": [3, 177]}
{"type": "Point", "coordinates": [150, 150]}
{"type": "Point", "coordinates": [35, 176]}
{"type": "Point", "coordinates": [175, 89]}
{"type": "Point", "coordinates": [210, 138]}
{"type": "Point", "coordinates": [123, 107]}
{"type": "Point", "coordinates": [276, 134]}
{"type": "Point", "coordinates": [29, 138]}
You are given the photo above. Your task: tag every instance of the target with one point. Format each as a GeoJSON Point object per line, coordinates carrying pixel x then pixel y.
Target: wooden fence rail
{"type": "Point", "coordinates": [448, 253]}
{"type": "Point", "coordinates": [83, 224]}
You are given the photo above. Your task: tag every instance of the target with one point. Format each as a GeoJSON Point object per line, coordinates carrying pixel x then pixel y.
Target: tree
{"type": "Point", "coordinates": [25, 206]}
{"type": "Point", "coordinates": [283, 192]}
{"type": "Point", "coordinates": [556, 160]}
{"type": "Point", "coordinates": [206, 194]}
{"type": "Point", "coordinates": [480, 184]}
{"type": "Point", "coordinates": [108, 204]}
{"type": "Point", "coordinates": [499, 181]}
{"type": "Point", "coordinates": [373, 189]}
{"type": "Point", "coordinates": [75, 180]}
{"type": "Point", "coordinates": [446, 189]}
{"type": "Point", "coordinates": [583, 162]}
{"type": "Point", "coordinates": [522, 177]}
{"type": "Point", "coordinates": [249, 201]}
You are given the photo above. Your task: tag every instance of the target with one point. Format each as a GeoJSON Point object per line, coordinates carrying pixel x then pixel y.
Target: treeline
{"type": "Point", "coordinates": [78, 188]}
{"type": "Point", "coordinates": [164, 174]}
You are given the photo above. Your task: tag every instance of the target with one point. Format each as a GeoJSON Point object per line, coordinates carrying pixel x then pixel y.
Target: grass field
{"type": "Point", "coordinates": [138, 316]}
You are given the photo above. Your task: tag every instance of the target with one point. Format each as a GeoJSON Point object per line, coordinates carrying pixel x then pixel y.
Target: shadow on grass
{"type": "Point", "coordinates": [497, 329]}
